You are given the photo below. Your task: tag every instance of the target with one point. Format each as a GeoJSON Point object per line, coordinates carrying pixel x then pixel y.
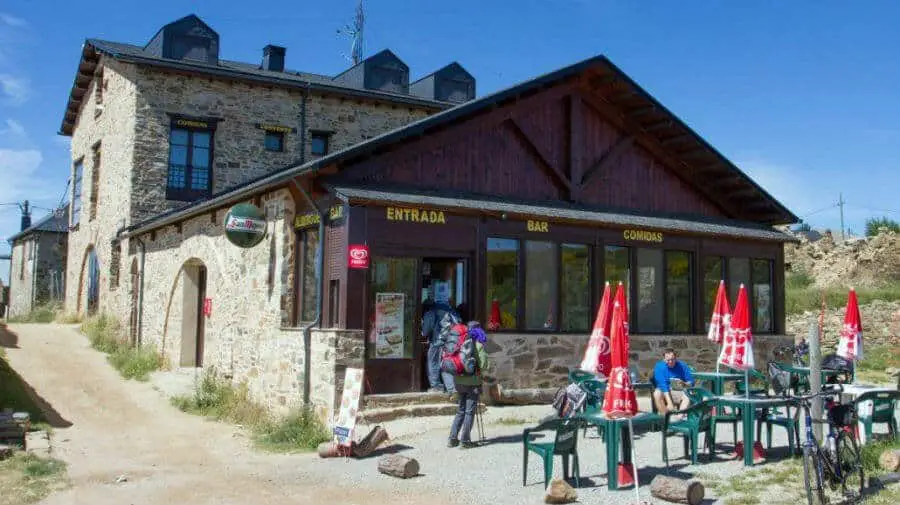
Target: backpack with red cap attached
{"type": "Point", "coordinates": [459, 355]}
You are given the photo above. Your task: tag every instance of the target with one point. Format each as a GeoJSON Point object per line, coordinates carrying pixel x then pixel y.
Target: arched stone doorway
{"type": "Point", "coordinates": [89, 282]}
{"type": "Point", "coordinates": [193, 321]}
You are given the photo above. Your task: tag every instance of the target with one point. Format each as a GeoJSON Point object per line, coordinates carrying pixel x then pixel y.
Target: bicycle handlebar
{"type": "Point", "coordinates": [833, 389]}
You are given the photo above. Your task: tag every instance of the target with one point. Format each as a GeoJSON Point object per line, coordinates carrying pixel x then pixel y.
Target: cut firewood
{"type": "Point", "coordinates": [890, 460]}
{"type": "Point", "coordinates": [677, 490]}
{"type": "Point", "coordinates": [398, 466]}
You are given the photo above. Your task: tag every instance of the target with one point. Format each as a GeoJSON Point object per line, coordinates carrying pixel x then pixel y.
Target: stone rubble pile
{"type": "Point", "coordinates": [859, 262]}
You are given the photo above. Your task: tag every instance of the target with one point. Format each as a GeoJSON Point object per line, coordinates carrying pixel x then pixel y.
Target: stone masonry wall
{"type": "Point", "coordinates": [20, 279]}
{"type": "Point", "coordinates": [529, 361]}
{"type": "Point", "coordinates": [114, 128]}
{"type": "Point", "coordinates": [239, 151]}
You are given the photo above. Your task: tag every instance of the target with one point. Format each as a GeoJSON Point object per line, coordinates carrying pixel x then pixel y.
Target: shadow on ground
{"type": "Point", "coordinates": [17, 394]}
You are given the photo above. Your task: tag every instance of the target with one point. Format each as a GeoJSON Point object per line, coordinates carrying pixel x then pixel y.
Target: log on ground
{"type": "Point", "coordinates": [890, 460]}
{"type": "Point", "coordinates": [677, 490]}
{"type": "Point", "coordinates": [535, 396]}
{"type": "Point", "coordinates": [398, 466]}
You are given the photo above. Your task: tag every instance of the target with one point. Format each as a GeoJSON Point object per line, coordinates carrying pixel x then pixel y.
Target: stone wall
{"type": "Point", "coordinates": [44, 257]}
{"type": "Point", "coordinates": [20, 279]}
{"type": "Point", "coordinates": [114, 128]}
{"type": "Point", "coordinates": [529, 361]}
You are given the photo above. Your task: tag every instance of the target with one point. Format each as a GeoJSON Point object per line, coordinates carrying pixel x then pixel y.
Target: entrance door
{"type": "Point", "coordinates": [93, 287]}
{"type": "Point", "coordinates": [444, 281]}
{"type": "Point", "coordinates": [201, 316]}
{"type": "Point", "coordinates": [393, 348]}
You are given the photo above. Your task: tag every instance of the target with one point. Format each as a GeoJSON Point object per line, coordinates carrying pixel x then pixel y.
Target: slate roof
{"type": "Point", "coordinates": [666, 123]}
{"type": "Point", "coordinates": [54, 222]}
{"type": "Point", "coordinates": [224, 69]}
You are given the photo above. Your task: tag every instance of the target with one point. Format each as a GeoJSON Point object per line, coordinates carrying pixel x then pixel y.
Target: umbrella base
{"type": "Point", "coordinates": [625, 472]}
{"type": "Point", "coordinates": [758, 452]}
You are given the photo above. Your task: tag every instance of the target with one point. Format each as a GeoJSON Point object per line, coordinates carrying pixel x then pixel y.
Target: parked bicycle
{"type": "Point", "coordinates": [835, 462]}
{"type": "Point", "coordinates": [799, 353]}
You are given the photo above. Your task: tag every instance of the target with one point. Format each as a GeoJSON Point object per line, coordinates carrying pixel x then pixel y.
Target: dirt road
{"type": "Point", "coordinates": [107, 427]}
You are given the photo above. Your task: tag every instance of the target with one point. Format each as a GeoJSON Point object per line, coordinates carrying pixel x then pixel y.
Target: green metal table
{"type": "Point", "coordinates": [717, 380]}
{"type": "Point", "coordinates": [614, 429]}
{"type": "Point", "coordinates": [749, 406]}
{"type": "Point", "coordinates": [804, 371]}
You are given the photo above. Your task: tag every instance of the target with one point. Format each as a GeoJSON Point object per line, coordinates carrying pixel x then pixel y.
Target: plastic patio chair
{"type": "Point", "coordinates": [754, 374]}
{"type": "Point", "coordinates": [595, 390]}
{"type": "Point", "coordinates": [720, 415]}
{"type": "Point", "coordinates": [698, 419]}
{"type": "Point", "coordinates": [565, 444]}
{"type": "Point", "coordinates": [577, 375]}
{"type": "Point", "coordinates": [884, 406]}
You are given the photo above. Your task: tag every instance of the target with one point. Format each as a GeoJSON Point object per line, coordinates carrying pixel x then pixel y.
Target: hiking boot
{"type": "Point", "coordinates": [452, 443]}
{"type": "Point", "coordinates": [468, 445]}
{"type": "Point", "coordinates": [436, 390]}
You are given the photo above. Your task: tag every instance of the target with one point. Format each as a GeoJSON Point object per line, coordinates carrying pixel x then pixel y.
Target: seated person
{"type": "Point", "coordinates": [663, 373]}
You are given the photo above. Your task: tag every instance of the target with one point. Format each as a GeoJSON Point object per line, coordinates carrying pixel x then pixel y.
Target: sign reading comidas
{"type": "Point", "coordinates": [358, 256]}
{"type": "Point", "coordinates": [643, 235]}
{"type": "Point", "coordinates": [245, 225]}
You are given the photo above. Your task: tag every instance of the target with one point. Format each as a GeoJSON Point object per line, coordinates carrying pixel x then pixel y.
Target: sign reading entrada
{"type": "Point", "coordinates": [416, 215]}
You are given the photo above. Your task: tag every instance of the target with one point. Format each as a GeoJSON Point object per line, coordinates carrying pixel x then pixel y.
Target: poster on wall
{"type": "Point", "coordinates": [389, 325]}
{"type": "Point", "coordinates": [346, 420]}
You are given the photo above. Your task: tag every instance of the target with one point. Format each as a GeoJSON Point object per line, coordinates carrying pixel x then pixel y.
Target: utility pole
{"type": "Point", "coordinates": [841, 203]}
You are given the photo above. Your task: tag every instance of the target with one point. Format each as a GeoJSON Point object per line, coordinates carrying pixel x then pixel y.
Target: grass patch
{"type": "Point", "coordinates": [217, 399]}
{"type": "Point", "coordinates": [782, 481]}
{"type": "Point", "coordinates": [800, 296]}
{"type": "Point", "coordinates": [874, 363]}
{"type": "Point", "coordinates": [45, 313]}
{"type": "Point", "coordinates": [132, 362]}
{"type": "Point", "coordinates": [26, 478]}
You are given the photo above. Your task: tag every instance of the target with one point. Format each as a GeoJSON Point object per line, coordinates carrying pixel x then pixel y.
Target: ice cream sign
{"type": "Point", "coordinates": [245, 225]}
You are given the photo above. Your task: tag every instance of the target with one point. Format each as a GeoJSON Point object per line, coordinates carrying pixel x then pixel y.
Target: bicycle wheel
{"type": "Point", "coordinates": [812, 477]}
{"type": "Point", "coordinates": [852, 477]}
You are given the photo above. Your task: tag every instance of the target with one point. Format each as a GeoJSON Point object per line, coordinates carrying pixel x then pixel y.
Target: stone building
{"type": "Point", "coordinates": [38, 263]}
{"type": "Point", "coordinates": [161, 124]}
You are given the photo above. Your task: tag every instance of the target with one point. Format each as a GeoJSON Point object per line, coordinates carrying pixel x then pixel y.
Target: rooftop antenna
{"type": "Point", "coordinates": [356, 33]}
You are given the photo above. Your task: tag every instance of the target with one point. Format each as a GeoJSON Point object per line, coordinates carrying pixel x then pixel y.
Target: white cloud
{"type": "Point", "coordinates": [16, 88]}
{"type": "Point", "coordinates": [10, 20]}
{"type": "Point", "coordinates": [13, 128]}
{"type": "Point", "coordinates": [22, 180]}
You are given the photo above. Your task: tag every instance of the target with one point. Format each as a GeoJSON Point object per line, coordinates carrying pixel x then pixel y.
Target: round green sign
{"type": "Point", "coordinates": [245, 225]}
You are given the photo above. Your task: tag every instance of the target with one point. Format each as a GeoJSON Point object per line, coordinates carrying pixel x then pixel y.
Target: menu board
{"type": "Point", "coordinates": [389, 325]}
{"type": "Point", "coordinates": [346, 421]}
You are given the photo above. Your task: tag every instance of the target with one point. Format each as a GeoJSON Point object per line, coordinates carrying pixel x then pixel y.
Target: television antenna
{"type": "Point", "coordinates": [355, 33]}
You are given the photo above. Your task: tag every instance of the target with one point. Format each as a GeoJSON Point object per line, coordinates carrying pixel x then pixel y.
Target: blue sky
{"type": "Point", "coordinates": [801, 95]}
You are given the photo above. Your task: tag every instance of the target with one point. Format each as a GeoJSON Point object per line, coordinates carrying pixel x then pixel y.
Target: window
{"type": "Point", "coordinates": [319, 145]}
{"type": "Point", "coordinates": [650, 290]}
{"type": "Point", "coordinates": [334, 302]}
{"type": "Point", "coordinates": [274, 141]}
{"type": "Point", "coordinates": [617, 268]}
{"type": "Point", "coordinates": [738, 273]}
{"type": "Point", "coordinates": [503, 280]}
{"type": "Point", "coordinates": [115, 264]}
{"type": "Point", "coordinates": [713, 273]}
{"type": "Point", "coordinates": [190, 159]}
{"type": "Point", "coordinates": [761, 278]}
{"type": "Point", "coordinates": [76, 192]}
{"type": "Point", "coordinates": [575, 298]}
{"type": "Point", "coordinates": [392, 307]}
{"type": "Point", "coordinates": [95, 182]}
{"type": "Point", "coordinates": [541, 261]}
{"type": "Point", "coordinates": [678, 292]}
{"type": "Point", "coordinates": [308, 248]}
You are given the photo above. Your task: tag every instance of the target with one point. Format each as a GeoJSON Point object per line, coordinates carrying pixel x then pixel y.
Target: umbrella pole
{"type": "Point", "coordinates": [747, 383]}
{"type": "Point", "coordinates": [637, 483]}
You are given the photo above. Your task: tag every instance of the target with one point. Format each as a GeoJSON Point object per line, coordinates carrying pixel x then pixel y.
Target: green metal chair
{"type": "Point", "coordinates": [719, 415]}
{"type": "Point", "coordinates": [565, 444]}
{"type": "Point", "coordinates": [739, 386]}
{"type": "Point", "coordinates": [698, 419]}
{"type": "Point", "coordinates": [595, 390]}
{"type": "Point", "coordinates": [577, 375]}
{"type": "Point", "coordinates": [884, 407]}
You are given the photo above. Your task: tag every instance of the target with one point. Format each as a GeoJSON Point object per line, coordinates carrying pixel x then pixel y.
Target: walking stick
{"type": "Point", "coordinates": [480, 420]}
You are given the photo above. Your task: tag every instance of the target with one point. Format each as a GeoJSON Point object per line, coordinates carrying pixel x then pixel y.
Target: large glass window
{"type": "Point", "coordinates": [392, 308]}
{"type": "Point", "coordinates": [576, 287]}
{"type": "Point", "coordinates": [76, 192]}
{"type": "Point", "coordinates": [738, 273]}
{"type": "Point", "coordinates": [650, 290]}
{"type": "Point", "coordinates": [502, 279]}
{"type": "Point", "coordinates": [678, 292]}
{"type": "Point", "coordinates": [308, 242]}
{"type": "Point", "coordinates": [617, 266]}
{"type": "Point", "coordinates": [190, 158]}
{"type": "Point", "coordinates": [763, 313]}
{"type": "Point", "coordinates": [541, 260]}
{"type": "Point", "coordinates": [712, 275]}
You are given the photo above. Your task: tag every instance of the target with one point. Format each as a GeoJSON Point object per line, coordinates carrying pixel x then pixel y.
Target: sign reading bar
{"type": "Point", "coordinates": [416, 215]}
{"type": "Point", "coordinates": [540, 226]}
{"type": "Point", "coordinates": [312, 218]}
{"type": "Point", "coordinates": [643, 235]}
{"type": "Point", "coordinates": [276, 128]}
{"type": "Point", "coordinates": [358, 256]}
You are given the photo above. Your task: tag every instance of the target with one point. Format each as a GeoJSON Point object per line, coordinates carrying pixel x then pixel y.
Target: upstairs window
{"type": "Point", "coordinates": [95, 182]}
{"type": "Point", "coordinates": [190, 160]}
{"type": "Point", "coordinates": [76, 192]}
{"type": "Point", "coordinates": [274, 141]}
{"type": "Point", "coordinates": [319, 142]}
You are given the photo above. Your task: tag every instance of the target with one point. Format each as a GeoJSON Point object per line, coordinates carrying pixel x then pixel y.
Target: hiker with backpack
{"type": "Point", "coordinates": [466, 360]}
{"type": "Point", "coordinates": [436, 324]}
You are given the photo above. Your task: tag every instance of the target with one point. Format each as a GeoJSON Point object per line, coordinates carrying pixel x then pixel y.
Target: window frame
{"type": "Point", "coordinates": [186, 194]}
{"type": "Point", "coordinates": [281, 141]}
{"type": "Point", "coordinates": [77, 192]}
{"type": "Point", "coordinates": [313, 135]}
{"type": "Point", "coordinates": [301, 246]}
{"type": "Point", "coordinates": [725, 274]}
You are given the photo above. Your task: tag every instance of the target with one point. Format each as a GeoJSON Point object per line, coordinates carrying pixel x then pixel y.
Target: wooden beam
{"type": "Point", "coordinates": [655, 127]}
{"type": "Point", "coordinates": [675, 140]}
{"type": "Point", "coordinates": [576, 144]}
{"type": "Point", "coordinates": [533, 148]}
{"type": "Point", "coordinates": [608, 158]}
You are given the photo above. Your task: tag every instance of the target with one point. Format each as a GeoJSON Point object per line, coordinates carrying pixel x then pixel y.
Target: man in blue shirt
{"type": "Point", "coordinates": [663, 373]}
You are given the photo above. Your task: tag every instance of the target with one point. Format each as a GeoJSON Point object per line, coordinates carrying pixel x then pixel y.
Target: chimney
{"type": "Point", "coordinates": [273, 58]}
{"type": "Point", "coordinates": [26, 217]}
